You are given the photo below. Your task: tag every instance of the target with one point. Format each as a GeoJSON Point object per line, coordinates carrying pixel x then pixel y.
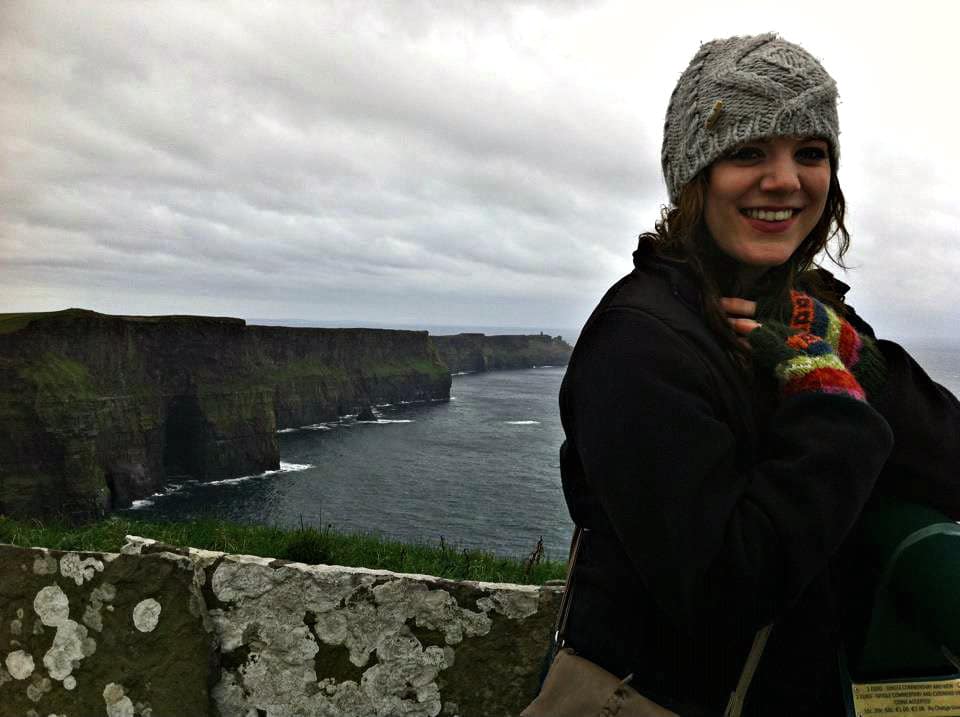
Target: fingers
{"type": "Point", "coordinates": [742, 327]}
{"type": "Point", "coordinates": [738, 307]}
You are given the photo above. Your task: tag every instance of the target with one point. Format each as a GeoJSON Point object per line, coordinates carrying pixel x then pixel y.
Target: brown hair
{"type": "Point", "coordinates": [681, 233]}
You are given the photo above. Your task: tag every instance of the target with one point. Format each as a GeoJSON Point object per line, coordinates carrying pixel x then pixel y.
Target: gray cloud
{"type": "Point", "coordinates": [380, 161]}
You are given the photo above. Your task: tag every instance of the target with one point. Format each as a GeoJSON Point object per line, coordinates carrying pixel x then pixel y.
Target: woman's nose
{"type": "Point", "coordinates": [782, 176]}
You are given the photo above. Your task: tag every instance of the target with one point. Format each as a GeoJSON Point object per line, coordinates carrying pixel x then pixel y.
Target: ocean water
{"type": "Point", "coordinates": [482, 471]}
{"type": "Point", "coordinates": [940, 359]}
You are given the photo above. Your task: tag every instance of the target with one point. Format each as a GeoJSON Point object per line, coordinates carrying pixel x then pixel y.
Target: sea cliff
{"type": "Point", "coordinates": [478, 352]}
{"type": "Point", "coordinates": [98, 410]}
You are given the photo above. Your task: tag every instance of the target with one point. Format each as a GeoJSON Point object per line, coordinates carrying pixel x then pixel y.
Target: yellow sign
{"type": "Point", "coordinates": [934, 697]}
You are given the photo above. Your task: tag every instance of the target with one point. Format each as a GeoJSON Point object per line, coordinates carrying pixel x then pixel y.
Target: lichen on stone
{"type": "Point", "coordinates": [99, 596]}
{"type": "Point", "coordinates": [146, 615]}
{"type": "Point", "coordinates": [44, 564]}
{"type": "Point", "coordinates": [38, 688]}
{"type": "Point", "coordinates": [118, 704]}
{"type": "Point", "coordinates": [71, 643]}
{"type": "Point", "coordinates": [70, 646]}
{"type": "Point", "coordinates": [374, 616]}
{"type": "Point", "coordinates": [52, 605]}
{"type": "Point", "coordinates": [134, 545]}
{"type": "Point", "coordinates": [79, 569]}
{"type": "Point", "coordinates": [19, 664]}
{"type": "Point", "coordinates": [513, 604]}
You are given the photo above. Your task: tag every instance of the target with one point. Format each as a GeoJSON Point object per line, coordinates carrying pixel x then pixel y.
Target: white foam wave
{"type": "Point", "coordinates": [231, 481]}
{"type": "Point", "coordinates": [389, 420]}
{"type": "Point", "coordinates": [168, 489]}
{"type": "Point", "coordinates": [523, 423]}
{"type": "Point", "coordinates": [319, 427]}
{"type": "Point", "coordinates": [462, 373]}
{"type": "Point", "coordinates": [284, 468]}
{"type": "Point", "coordinates": [288, 430]}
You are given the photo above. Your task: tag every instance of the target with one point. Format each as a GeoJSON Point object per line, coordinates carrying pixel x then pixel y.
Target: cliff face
{"type": "Point", "coordinates": [98, 410]}
{"type": "Point", "coordinates": [478, 352]}
{"type": "Point", "coordinates": [319, 374]}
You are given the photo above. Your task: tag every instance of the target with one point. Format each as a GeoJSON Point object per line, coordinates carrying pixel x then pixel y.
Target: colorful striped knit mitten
{"type": "Point", "coordinates": [818, 351]}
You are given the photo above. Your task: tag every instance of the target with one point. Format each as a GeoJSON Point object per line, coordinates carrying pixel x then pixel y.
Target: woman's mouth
{"type": "Point", "coordinates": [770, 220]}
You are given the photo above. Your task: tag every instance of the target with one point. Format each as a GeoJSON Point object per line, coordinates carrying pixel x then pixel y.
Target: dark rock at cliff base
{"type": "Point", "coordinates": [97, 410]}
{"type": "Point", "coordinates": [367, 414]}
{"type": "Point", "coordinates": [469, 353]}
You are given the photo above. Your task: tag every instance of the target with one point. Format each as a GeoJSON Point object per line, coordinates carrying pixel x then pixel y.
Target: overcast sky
{"type": "Point", "coordinates": [468, 163]}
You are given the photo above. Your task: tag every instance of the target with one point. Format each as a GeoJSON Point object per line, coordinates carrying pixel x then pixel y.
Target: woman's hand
{"type": "Point", "coordinates": [740, 313]}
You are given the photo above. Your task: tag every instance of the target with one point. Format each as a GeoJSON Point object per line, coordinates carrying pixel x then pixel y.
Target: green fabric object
{"type": "Point", "coordinates": [911, 559]}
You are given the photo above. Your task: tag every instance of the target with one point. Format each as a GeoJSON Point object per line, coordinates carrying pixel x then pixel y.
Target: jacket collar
{"type": "Point", "coordinates": [827, 280]}
{"type": "Point", "coordinates": [681, 279]}
{"type": "Point", "coordinates": [684, 284]}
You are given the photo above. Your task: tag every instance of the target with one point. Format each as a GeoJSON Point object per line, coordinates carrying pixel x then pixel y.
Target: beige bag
{"type": "Point", "coordinates": [577, 687]}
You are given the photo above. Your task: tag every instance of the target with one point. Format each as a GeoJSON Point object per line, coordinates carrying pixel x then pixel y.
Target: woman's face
{"type": "Point", "coordinates": [764, 198]}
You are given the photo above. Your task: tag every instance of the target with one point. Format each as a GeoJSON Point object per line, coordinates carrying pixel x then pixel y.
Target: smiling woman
{"type": "Point", "coordinates": [729, 419]}
{"type": "Point", "coordinates": [764, 198]}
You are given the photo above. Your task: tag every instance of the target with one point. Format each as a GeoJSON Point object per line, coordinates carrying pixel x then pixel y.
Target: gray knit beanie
{"type": "Point", "coordinates": [744, 88]}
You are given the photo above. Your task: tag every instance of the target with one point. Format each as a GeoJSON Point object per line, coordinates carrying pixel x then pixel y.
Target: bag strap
{"type": "Point", "coordinates": [737, 697]}
{"type": "Point", "coordinates": [560, 630]}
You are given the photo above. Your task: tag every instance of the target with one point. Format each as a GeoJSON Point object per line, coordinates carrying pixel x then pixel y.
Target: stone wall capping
{"type": "Point", "coordinates": [252, 635]}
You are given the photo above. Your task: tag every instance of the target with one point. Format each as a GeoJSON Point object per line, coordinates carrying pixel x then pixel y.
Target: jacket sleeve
{"type": "Point", "coordinates": [924, 466]}
{"type": "Point", "coordinates": [709, 538]}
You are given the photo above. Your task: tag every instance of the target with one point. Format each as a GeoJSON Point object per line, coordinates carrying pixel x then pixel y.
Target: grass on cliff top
{"type": "Point", "coordinates": [306, 545]}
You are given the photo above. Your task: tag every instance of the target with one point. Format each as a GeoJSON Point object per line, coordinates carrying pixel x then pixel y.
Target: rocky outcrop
{"type": "Point", "coordinates": [98, 410]}
{"type": "Point", "coordinates": [479, 352]}
{"type": "Point", "coordinates": [151, 632]}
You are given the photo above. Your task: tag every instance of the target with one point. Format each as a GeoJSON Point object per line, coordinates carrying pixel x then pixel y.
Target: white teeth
{"type": "Point", "coordinates": [766, 216]}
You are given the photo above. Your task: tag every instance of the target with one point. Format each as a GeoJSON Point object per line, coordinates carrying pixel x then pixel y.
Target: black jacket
{"type": "Point", "coordinates": [713, 511]}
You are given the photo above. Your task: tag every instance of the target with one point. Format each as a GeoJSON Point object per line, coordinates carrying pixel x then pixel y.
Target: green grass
{"type": "Point", "coordinates": [11, 323]}
{"type": "Point", "coordinates": [59, 377]}
{"type": "Point", "coordinates": [307, 545]}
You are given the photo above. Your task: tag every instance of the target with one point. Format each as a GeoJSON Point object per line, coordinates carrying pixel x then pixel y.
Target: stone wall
{"type": "Point", "coordinates": [153, 632]}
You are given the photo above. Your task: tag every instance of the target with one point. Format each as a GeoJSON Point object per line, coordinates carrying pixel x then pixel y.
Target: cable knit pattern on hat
{"type": "Point", "coordinates": [744, 88]}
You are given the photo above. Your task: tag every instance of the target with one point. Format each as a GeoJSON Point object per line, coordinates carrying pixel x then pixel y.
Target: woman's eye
{"type": "Point", "coordinates": [812, 153]}
{"type": "Point", "coordinates": [745, 154]}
